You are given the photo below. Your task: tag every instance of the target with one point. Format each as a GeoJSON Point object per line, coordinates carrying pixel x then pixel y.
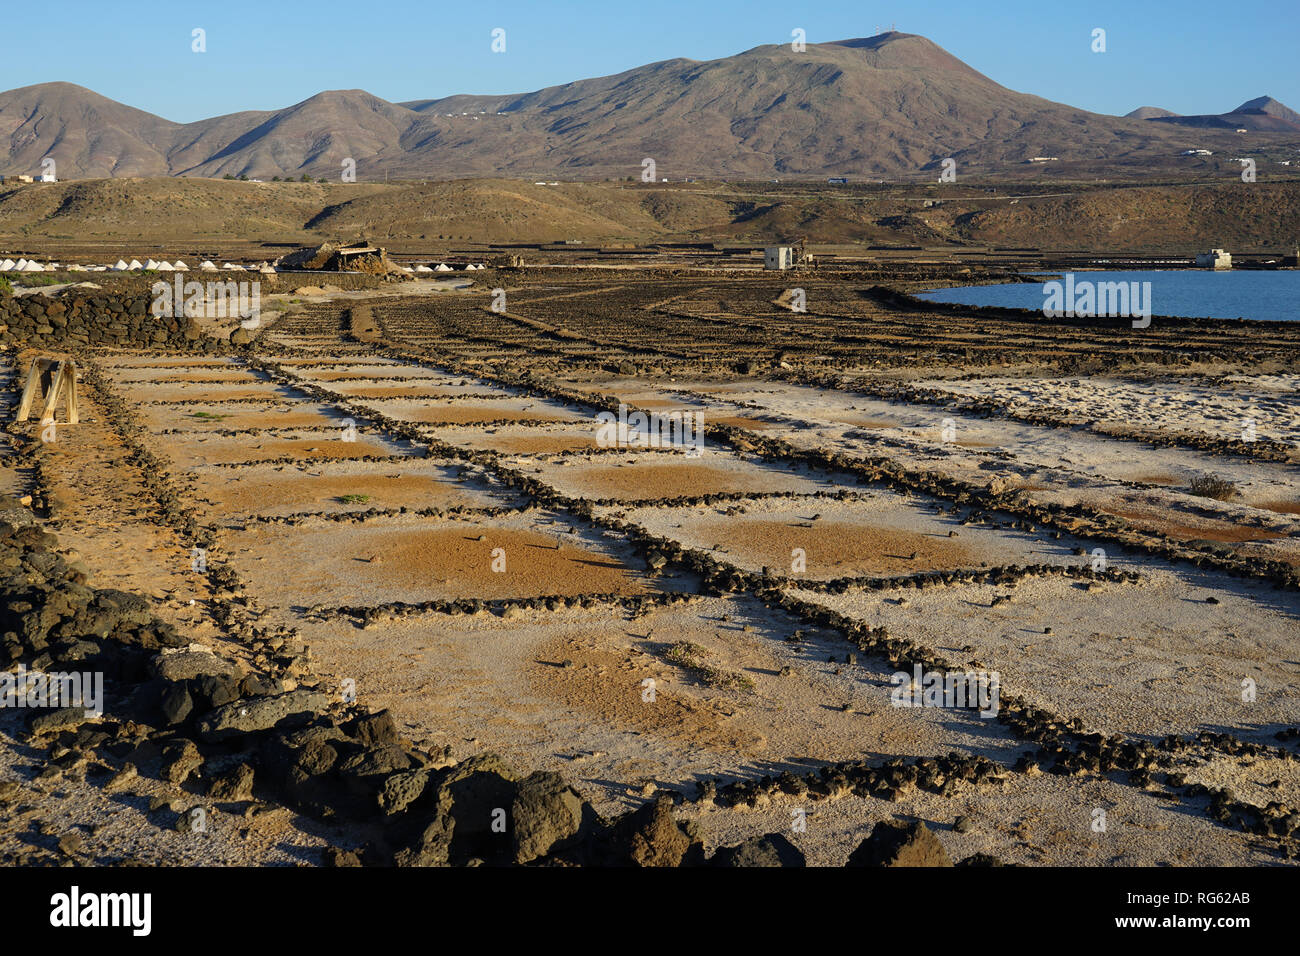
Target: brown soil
{"type": "Point", "coordinates": [738, 422]}
{"type": "Point", "coordinates": [197, 377]}
{"type": "Point", "coordinates": [167, 361]}
{"type": "Point", "coordinates": [293, 491]}
{"type": "Point", "coordinates": [218, 451]}
{"type": "Point", "coordinates": [1156, 479]}
{"type": "Point", "coordinates": [349, 564]}
{"type": "Point", "coordinates": [199, 393]}
{"type": "Point", "coordinates": [606, 683]}
{"type": "Point", "coordinates": [661, 403]}
{"type": "Point", "coordinates": [238, 417]}
{"type": "Point", "coordinates": [835, 549]}
{"type": "Point", "coordinates": [544, 444]}
{"type": "Point", "coordinates": [1211, 531]}
{"type": "Point", "coordinates": [399, 375]}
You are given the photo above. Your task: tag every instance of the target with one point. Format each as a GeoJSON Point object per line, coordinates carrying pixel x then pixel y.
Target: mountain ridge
{"type": "Point", "coordinates": [891, 105]}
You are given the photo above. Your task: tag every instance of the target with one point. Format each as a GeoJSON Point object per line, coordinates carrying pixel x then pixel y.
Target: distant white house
{"type": "Point", "coordinates": [1214, 259]}
{"type": "Point", "coordinates": [1198, 152]}
{"type": "Point", "coordinates": [778, 258]}
{"type": "Point", "coordinates": [47, 178]}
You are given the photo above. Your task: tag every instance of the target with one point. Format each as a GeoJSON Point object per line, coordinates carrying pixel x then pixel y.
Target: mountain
{"type": "Point", "coordinates": [1261, 115]}
{"type": "Point", "coordinates": [86, 134]}
{"type": "Point", "coordinates": [889, 106]}
{"type": "Point", "coordinates": [1149, 112]}
{"type": "Point", "coordinates": [1268, 106]}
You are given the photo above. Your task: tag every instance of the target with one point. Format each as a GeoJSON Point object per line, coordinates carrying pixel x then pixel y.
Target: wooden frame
{"type": "Point", "coordinates": [56, 376]}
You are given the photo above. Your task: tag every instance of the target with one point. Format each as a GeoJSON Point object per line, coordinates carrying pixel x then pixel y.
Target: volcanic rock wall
{"type": "Point", "coordinates": [70, 321]}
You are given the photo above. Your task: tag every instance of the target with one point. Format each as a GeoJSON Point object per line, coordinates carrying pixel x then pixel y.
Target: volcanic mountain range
{"type": "Point", "coordinates": [889, 106]}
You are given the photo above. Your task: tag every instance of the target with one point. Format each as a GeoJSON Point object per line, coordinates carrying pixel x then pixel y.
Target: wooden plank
{"type": "Point", "coordinates": [70, 392]}
{"type": "Point", "coordinates": [57, 378]}
{"type": "Point", "coordinates": [52, 394]}
{"type": "Point", "coordinates": [29, 395]}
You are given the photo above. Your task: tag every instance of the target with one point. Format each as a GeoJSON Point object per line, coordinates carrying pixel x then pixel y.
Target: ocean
{"type": "Point", "coordinates": [1194, 293]}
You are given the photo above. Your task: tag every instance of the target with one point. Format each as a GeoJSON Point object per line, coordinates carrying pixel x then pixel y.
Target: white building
{"type": "Point", "coordinates": [778, 258]}
{"type": "Point", "coordinates": [1214, 259]}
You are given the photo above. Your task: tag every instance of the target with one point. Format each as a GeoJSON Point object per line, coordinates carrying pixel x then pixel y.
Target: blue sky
{"type": "Point", "coordinates": [1189, 56]}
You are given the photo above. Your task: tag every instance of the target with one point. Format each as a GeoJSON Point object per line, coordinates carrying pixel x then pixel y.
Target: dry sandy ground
{"type": "Point", "coordinates": [740, 689]}
{"type": "Point", "coordinates": [1221, 410]}
{"type": "Point", "coordinates": [1150, 489]}
{"type": "Point", "coordinates": [1027, 821]}
{"type": "Point", "coordinates": [566, 690]}
{"type": "Point", "coordinates": [1145, 659]}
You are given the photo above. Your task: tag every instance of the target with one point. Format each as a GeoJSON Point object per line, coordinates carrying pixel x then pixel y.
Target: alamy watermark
{"type": "Point", "coordinates": [951, 689]}
{"type": "Point", "coordinates": [212, 300]}
{"type": "Point", "coordinates": [678, 429]}
{"type": "Point", "coordinates": [57, 689]}
{"type": "Point", "coordinates": [1086, 299]}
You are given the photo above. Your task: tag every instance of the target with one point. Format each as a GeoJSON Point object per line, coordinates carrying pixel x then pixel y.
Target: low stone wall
{"type": "Point", "coordinates": [80, 320]}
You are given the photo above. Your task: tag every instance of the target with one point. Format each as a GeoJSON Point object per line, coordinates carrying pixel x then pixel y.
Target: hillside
{"type": "Point", "coordinates": [105, 212]}
{"type": "Point", "coordinates": [1234, 215]}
